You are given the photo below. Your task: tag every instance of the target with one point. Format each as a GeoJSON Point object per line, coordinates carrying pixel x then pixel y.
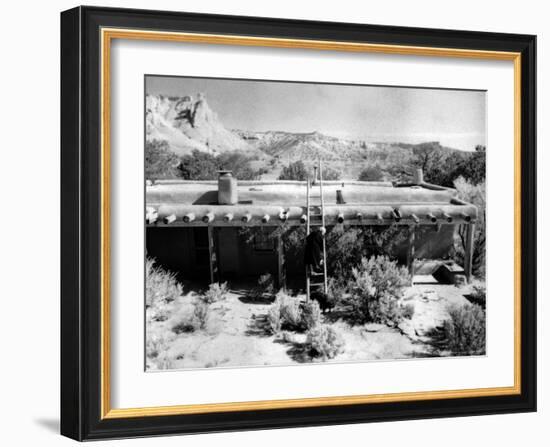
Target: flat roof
{"type": "Point", "coordinates": [268, 203]}
{"type": "Point", "coordinates": [293, 193]}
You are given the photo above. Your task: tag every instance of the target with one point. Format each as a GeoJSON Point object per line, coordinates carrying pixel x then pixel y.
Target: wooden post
{"type": "Point", "coordinates": [469, 250]}
{"type": "Point", "coordinates": [212, 255]}
{"type": "Point", "coordinates": [280, 262]}
{"type": "Point", "coordinates": [410, 252]}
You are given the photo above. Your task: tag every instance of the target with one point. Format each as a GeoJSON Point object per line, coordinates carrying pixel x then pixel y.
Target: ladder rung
{"type": "Point", "coordinates": [316, 283]}
{"type": "Point", "coordinates": [317, 274]}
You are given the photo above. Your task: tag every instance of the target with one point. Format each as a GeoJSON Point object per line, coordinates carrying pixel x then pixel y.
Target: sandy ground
{"type": "Point", "coordinates": [236, 333]}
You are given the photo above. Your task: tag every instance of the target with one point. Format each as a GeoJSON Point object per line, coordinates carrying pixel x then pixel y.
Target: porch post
{"type": "Point", "coordinates": [280, 262]}
{"type": "Point", "coordinates": [212, 255]}
{"type": "Point", "coordinates": [410, 251]}
{"type": "Point", "coordinates": [469, 250]}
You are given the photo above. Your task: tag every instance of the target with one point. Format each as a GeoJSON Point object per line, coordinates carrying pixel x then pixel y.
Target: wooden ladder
{"type": "Point", "coordinates": [317, 211]}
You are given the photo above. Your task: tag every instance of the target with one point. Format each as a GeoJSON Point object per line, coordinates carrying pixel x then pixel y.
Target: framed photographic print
{"type": "Point", "coordinates": [275, 223]}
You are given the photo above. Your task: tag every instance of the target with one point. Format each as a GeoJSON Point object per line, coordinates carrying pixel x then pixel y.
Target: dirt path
{"type": "Point", "coordinates": [236, 333]}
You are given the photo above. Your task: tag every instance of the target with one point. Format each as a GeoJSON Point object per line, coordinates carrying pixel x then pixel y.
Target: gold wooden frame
{"type": "Point", "coordinates": [107, 35]}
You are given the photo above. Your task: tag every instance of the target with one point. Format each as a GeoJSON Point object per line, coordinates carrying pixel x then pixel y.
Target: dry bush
{"type": "Point", "coordinates": [311, 315]}
{"type": "Point", "coordinates": [291, 314]}
{"type": "Point", "coordinates": [201, 312]}
{"type": "Point", "coordinates": [216, 292]}
{"type": "Point", "coordinates": [375, 291]}
{"type": "Point", "coordinates": [274, 317]}
{"type": "Point", "coordinates": [265, 287]}
{"type": "Point", "coordinates": [465, 330]}
{"type": "Point", "coordinates": [286, 313]}
{"type": "Point", "coordinates": [161, 288]}
{"type": "Point", "coordinates": [156, 350]}
{"type": "Point", "coordinates": [324, 342]}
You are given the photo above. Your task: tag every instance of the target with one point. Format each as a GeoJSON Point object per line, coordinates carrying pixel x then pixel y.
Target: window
{"type": "Point", "coordinates": [262, 242]}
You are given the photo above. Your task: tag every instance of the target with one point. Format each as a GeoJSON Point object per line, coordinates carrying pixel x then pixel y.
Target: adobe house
{"type": "Point", "coordinates": [194, 228]}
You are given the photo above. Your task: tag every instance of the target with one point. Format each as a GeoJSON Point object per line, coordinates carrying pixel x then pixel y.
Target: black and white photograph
{"type": "Point", "coordinates": [290, 223]}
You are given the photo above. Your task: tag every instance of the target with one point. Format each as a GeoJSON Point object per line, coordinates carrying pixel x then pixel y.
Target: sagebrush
{"type": "Point", "coordinates": [161, 288]}
{"type": "Point", "coordinates": [311, 314]}
{"type": "Point", "coordinates": [216, 292]}
{"type": "Point", "coordinates": [325, 342]}
{"type": "Point", "coordinates": [286, 313]}
{"type": "Point", "coordinates": [376, 289]}
{"type": "Point", "coordinates": [465, 330]}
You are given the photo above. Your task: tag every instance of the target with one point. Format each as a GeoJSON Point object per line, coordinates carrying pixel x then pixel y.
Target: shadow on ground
{"type": "Point", "coordinates": [299, 352]}
{"type": "Point", "coordinates": [258, 326]}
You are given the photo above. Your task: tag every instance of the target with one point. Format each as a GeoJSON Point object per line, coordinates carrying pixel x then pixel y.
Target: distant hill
{"type": "Point", "coordinates": [188, 123]}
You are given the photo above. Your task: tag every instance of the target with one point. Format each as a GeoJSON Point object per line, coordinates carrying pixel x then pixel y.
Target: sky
{"type": "Point", "coordinates": [455, 118]}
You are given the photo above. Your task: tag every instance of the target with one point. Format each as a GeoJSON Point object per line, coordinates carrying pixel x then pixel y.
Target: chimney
{"type": "Point", "coordinates": [227, 188]}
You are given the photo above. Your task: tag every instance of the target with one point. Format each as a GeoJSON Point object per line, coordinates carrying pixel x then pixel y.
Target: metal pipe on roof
{"type": "Point", "coordinates": [432, 218]}
{"type": "Point", "coordinates": [396, 215]}
{"type": "Point", "coordinates": [189, 217]}
{"type": "Point", "coordinates": [283, 215]}
{"type": "Point", "coordinates": [265, 218]}
{"type": "Point", "coordinates": [303, 218]}
{"type": "Point", "coordinates": [340, 218]}
{"type": "Point", "coordinates": [415, 218]}
{"type": "Point", "coordinates": [448, 217]}
{"type": "Point", "coordinates": [246, 218]}
{"type": "Point", "coordinates": [466, 217]}
{"type": "Point", "coordinates": [228, 217]}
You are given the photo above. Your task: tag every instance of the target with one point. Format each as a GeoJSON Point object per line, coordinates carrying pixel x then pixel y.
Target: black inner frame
{"type": "Point", "coordinates": [81, 219]}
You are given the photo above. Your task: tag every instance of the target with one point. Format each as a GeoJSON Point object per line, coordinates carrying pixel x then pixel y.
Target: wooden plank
{"type": "Point", "coordinates": [469, 250]}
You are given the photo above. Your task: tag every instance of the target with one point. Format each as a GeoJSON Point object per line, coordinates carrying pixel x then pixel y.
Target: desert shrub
{"type": "Point", "coordinates": [204, 166]}
{"type": "Point", "coordinates": [294, 171]}
{"type": "Point", "coordinates": [331, 173]}
{"type": "Point", "coordinates": [335, 292]}
{"type": "Point", "coordinates": [286, 314]}
{"type": "Point", "coordinates": [160, 161]}
{"type": "Point", "coordinates": [216, 292]}
{"type": "Point", "coordinates": [266, 286]}
{"type": "Point", "coordinates": [465, 330]}
{"type": "Point", "coordinates": [371, 174]}
{"type": "Point", "coordinates": [311, 314]}
{"type": "Point", "coordinates": [324, 342]}
{"type": "Point", "coordinates": [291, 314]}
{"type": "Point", "coordinates": [347, 246]}
{"type": "Point", "coordinates": [274, 317]}
{"type": "Point", "coordinates": [201, 312]}
{"type": "Point", "coordinates": [156, 351]}
{"type": "Point", "coordinates": [376, 288]}
{"type": "Point", "coordinates": [161, 288]}
{"type": "Point", "coordinates": [198, 166]}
